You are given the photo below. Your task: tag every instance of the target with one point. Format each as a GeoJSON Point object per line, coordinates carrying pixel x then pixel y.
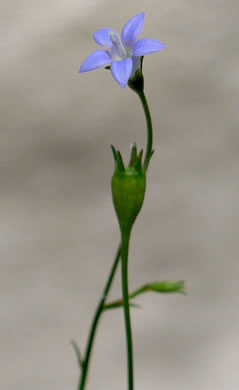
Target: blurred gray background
{"type": "Point", "coordinates": [58, 228]}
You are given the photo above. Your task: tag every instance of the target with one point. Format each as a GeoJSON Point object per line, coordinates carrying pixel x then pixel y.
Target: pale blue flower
{"type": "Point", "coordinates": [123, 52]}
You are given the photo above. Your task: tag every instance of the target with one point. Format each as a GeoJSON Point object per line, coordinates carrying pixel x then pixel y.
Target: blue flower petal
{"type": "Point", "coordinates": [102, 37]}
{"type": "Point", "coordinates": [132, 30]}
{"type": "Point", "coordinates": [121, 71]}
{"type": "Point", "coordinates": [147, 46]}
{"type": "Point", "coordinates": [95, 60]}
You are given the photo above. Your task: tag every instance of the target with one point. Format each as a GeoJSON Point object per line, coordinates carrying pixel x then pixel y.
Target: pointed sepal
{"type": "Point", "coordinates": [133, 156]}
{"type": "Point", "coordinates": [114, 153]}
{"type": "Point", "coordinates": [119, 164]}
{"type": "Point", "coordinates": [138, 163]}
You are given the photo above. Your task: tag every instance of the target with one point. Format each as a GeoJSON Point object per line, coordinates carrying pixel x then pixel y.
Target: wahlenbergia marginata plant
{"type": "Point", "coordinates": [123, 55]}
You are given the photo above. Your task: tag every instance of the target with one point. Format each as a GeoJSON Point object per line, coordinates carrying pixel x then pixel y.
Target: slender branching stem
{"type": "Point", "coordinates": [125, 290]}
{"type": "Point", "coordinates": [95, 322]}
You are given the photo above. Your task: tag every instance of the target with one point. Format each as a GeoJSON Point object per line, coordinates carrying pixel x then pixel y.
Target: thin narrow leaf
{"type": "Point", "coordinates": [78, 353]}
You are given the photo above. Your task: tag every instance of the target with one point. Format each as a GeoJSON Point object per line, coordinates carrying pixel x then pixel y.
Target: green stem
{"type": "Point", "coordinates": [119, 302]}
{"type": "Point", "coordinates": [95, 321]}
{"type": "Point", "coordinates": [125, 290]}
{"type": "Point", "coordinates": [139, 291]}
{"type": "Point", "coordinates": [149, 150]}
{"type": "Point", "coordinates": [101, 303]}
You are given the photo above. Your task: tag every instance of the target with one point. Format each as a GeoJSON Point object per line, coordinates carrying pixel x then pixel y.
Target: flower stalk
{"type": "Point", "coordinates": [136, 83]}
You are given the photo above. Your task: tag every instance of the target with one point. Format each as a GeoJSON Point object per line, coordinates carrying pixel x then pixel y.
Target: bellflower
{"type": "Point", "coordinates": [123, 52]}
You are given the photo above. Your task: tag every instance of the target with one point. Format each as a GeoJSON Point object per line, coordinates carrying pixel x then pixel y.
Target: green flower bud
{"type": "Point", "coordinates": [168, 286]}
{"type": "Point", "coordinates": [128, 188]}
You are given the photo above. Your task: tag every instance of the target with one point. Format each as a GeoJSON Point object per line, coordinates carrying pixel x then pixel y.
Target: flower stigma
{"type": "Point", "coordinates": [119, 52]}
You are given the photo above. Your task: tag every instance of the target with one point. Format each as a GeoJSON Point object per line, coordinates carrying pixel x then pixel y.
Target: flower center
{"type": "Point", "coordinates": [119, 52]}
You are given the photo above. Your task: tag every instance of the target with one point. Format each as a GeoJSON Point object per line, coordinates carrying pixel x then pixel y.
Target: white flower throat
{"type": "Point", "coordinates": [118, 52]}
